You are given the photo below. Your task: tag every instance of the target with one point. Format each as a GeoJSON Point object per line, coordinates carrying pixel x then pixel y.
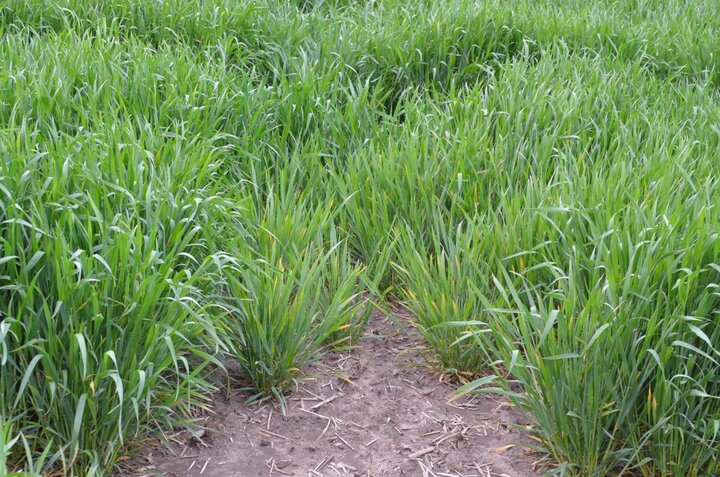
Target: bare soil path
{"type": "Point", "coordinates": [395, 419]}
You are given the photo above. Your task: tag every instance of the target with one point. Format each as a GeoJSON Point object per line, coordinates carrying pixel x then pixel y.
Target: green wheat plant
{"type": "Point", "coordinates": [282, 314]}
{"type": "Point", "coordinates": [189, 188]}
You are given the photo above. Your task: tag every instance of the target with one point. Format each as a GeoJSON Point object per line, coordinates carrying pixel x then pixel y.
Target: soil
{"type": "Point", "coordinates": [394, 418]}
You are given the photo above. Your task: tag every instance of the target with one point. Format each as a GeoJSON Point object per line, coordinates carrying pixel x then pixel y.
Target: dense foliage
{"type": "Point", "coordinates": [185, 182]}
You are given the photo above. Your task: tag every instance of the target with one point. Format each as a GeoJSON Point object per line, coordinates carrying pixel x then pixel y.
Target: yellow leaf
{"type": "Point", "coordinates": [503, 448]}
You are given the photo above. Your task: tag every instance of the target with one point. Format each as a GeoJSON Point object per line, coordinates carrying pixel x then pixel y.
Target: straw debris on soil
{"type": "Point", "coordinates": [376, 411]}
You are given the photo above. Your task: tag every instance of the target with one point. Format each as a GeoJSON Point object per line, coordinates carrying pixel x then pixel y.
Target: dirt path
{"type": "Point", "coordinates": [395, 420]}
